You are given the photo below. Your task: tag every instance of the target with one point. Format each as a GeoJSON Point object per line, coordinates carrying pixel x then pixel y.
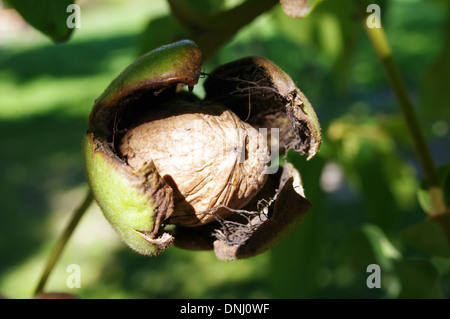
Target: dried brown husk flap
{"type": "Point", "coordinates": [252, 232]}
{"type": "Point", "coordinates": [262, 94]}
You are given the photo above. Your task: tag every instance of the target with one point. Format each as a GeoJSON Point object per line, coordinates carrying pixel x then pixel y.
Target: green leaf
{"type": "Point", "coordinates": [159, 31]}
{"type": "Point", "coordinates": [428, 237]}
{"type": "Point", "coordinates": [296, 261]}
{"type": "Point", "coordinates": [400, 277]}
{"type": "Point", "coordinates": [424, 196]}
{"type": "Point", "coordinates": [367, 153]}
{"type": "Point", "coordinates": [47, 16]}
{"type": "Point", "coordinates": [434, 91]}
{"type": "Point", "coordinates": [369, 245]}
{"type": "Point", "coordinates": [331, 30]}
{"type": "Point", "coordinates": [445, 171]}
{"type": "Point", "coordinates": [418, 279]}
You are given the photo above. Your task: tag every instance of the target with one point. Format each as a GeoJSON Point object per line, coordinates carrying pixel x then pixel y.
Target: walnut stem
{"type": "Point", "coordinates": [62, 241]}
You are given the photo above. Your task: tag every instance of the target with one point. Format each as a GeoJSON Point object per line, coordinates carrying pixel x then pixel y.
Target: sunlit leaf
{"type": "Point", "coordinates": [424, 196]}
{"type": "Point", "coordinates": [373, 167]}
{"type": "Point", "coordinates": [298, 8]}
{"type": "Point", "coordinates": [47, 16]}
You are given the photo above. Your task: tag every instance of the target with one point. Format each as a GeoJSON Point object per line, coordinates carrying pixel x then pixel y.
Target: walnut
{"type": "Point", "coordinates": [167, 168]}
{"type": "Point", "coordinates": [207, 154]}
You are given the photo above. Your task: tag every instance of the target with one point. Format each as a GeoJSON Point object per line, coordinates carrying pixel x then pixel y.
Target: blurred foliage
{"type": "Point", "coordinates": [365, 184]}
{"type": "Point", "coordinates": [46, 16]}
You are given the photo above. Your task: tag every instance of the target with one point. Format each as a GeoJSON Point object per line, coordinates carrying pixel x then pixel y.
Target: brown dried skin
{"type": "Point", "coordinates": [205, 152]}
{"type": "Point", "coordinates": [262, 94]}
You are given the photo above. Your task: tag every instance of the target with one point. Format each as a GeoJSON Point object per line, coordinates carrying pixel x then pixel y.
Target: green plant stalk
{"type": "Point", "coordinates": [377, 36]}
{"type": "Point", "coordinates": [381, 45]}
{"type": "Point", "coordinates": [62, 241]}
{"type": "Point", "coordinates": [210, 32]}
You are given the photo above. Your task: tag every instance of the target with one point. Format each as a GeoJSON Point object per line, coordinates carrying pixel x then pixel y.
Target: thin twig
{"type": "Point", "coordinates": [440, 212]}
{"type": "Point", "coordinates": [62, 241]}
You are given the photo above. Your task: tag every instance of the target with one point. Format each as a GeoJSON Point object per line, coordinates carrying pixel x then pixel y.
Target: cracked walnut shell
{"type": "Point", "coordinates": [206, 153]}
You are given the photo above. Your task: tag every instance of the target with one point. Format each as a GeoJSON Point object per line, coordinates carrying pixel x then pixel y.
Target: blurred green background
{"type": "Point", "coordinates": [363, 184]}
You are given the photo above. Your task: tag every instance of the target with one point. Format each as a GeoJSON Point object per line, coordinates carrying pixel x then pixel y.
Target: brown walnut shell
{"type": "Point", "coordinates": [205, 152]}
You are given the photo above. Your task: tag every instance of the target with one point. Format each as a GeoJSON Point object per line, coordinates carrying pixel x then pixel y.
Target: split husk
{"type": "Point", "coordinates": [166, 167]}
